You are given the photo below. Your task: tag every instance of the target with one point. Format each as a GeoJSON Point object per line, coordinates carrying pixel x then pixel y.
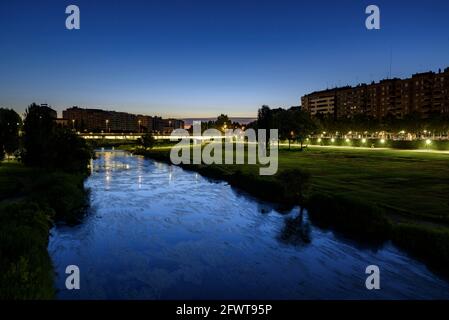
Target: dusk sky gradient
{"type": "Point", "coordinates": [203, 58]}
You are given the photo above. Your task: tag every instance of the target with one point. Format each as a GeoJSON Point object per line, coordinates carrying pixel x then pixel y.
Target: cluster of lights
{"type": "Point", "coordinates": [364, 140]}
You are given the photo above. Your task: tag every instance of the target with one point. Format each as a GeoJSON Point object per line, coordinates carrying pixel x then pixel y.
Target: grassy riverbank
{"type": "Point", "coordinates": [30, 201]}
{"type": "Point", "coordinates": [375, 194]}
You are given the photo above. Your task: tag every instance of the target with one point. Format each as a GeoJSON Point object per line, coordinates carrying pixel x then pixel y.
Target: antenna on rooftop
{"type": "Point", "coordinates": [391, 61]}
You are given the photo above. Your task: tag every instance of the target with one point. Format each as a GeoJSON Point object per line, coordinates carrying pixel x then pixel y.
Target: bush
{"type": "Point", "coordinates": [63, 193]}
{"type": "Point", "coordinates": [349, 215]}
{"type": "Point", "coordinates": [147, 141]}
{"type": "Point", "coordinates": [295, 184]}
{"type": "Point", "coordinates": [425, 242]}
{"type": "Point", "coordinates": [25, 266]}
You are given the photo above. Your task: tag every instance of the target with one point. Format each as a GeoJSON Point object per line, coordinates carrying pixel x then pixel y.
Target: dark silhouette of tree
{"type": "Point", "coordinates": [147, 141]}
{"type": "Point", "coordinates": [413, 122]}
{"type": "Point", "coordinates": [48, 146]}
{"type": "Point", "coordinates": [10, 123]}
{"type": "Point", "coordinates": [223, 122]}
{"type": "Point", "coordinates": [303, 126]}
{"type": "Point", "coordinates": [265, 121]}
{"type": "Point", "coordinates": [39, 128]}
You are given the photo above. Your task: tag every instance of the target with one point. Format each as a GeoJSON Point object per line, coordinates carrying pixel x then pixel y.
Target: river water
{"type": "Point", "coordinates": [155, 231]}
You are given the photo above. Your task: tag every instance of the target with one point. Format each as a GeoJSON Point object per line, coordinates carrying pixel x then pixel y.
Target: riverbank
{"type": "Point", "coordinates": [31, 200]}
{"type": "Point", "coordinates": [380, 195]}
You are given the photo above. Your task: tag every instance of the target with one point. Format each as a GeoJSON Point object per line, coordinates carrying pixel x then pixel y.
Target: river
{"type": "Point", "coordinates": [155, 231]}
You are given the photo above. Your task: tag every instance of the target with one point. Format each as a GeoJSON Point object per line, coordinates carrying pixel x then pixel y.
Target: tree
{"type": "Point", "coordinates": [39, 127]}
{"type": "Point", "coordinates": [303, 125]}
{"type": "Point", "coordinates": [10, 123]}
{"type": "Point", "coordinates": [223, 122]}
{"type": "Point", "coordinates": [49, 146]}
{"type": "Point", "coordinates": [284, 122]}
{"type": "Point", "coordinates": [413, 122]}
{"type": "Point", "coordinates": [265, 121]}
{"type": "Point", "coordinates": [147, 141]}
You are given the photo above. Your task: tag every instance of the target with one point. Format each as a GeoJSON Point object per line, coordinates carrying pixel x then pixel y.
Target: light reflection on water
{"type": "Point", "coordinates": [155, 231]}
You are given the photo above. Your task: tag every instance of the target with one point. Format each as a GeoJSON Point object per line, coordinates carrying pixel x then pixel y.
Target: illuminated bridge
{"type": "Point", "coordinates": [135, 136]}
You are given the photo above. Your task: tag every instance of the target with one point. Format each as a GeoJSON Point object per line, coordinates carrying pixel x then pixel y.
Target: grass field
{"type": "Point", "coordinates": [406, 182]}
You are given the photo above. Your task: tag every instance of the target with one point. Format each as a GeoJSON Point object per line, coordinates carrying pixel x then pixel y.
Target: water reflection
{"type": "Point", "coordinates": [297, 230]}
{"type": "Point", "coordinates": [155, 231]}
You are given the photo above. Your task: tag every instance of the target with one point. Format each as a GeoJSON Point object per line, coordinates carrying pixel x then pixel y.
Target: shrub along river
{"type": "Point", "coordinates": [155, 231]}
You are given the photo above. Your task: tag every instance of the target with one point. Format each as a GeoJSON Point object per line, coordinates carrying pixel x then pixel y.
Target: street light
{"type": "Point", "coordinates": [107, 125]}
{"type": "Point", "coordinates": [73, 124]}
{"type": "Point", "coordinates": [140, 121]}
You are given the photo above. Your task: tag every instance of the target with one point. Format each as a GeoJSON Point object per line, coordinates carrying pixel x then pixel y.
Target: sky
{"type": "Point", "coordinates": [203, 58]}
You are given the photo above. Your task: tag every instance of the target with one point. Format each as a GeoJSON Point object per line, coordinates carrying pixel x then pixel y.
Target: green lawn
{"type": "Point", "coordinates": [413, 183]}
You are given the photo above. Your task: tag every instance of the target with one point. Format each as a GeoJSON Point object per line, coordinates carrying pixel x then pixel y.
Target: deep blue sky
{"type": "Point", "coordinates": [202, 58]}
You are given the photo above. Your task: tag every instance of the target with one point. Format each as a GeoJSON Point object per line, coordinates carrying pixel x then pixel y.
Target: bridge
{"type": "Point", "coordinates": [135, 136]}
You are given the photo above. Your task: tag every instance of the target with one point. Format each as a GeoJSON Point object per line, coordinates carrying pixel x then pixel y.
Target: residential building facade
{"type": "Point", "coordinates": [97, 120]}
{"type": "Point", "coordinates": [425, 93]}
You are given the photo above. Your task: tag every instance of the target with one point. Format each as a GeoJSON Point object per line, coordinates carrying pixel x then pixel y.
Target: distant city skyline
{"type": "Point", "coordinates": [202, 58]}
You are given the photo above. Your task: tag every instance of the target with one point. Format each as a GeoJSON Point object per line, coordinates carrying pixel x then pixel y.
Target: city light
{"type": "Point", "coordinates": [347, 140]}
{"type": "Point", "coordinates": [382, 141]}
{"type": "Point", "coordinates": [428, 141]}
{"type": "Point", "coordinates": [332, 140]}
{"type": "Point", "coordinates": [319, 140]}
{"type": "Point", "coordinates": [363, 140]}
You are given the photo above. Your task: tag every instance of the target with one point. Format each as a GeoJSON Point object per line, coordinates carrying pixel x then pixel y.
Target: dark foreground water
{"type": "Point", "coordinates": [155, 231]}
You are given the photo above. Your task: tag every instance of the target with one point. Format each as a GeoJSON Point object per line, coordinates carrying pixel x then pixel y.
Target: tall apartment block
{"type": "Point", "coordinates": [425, 93]}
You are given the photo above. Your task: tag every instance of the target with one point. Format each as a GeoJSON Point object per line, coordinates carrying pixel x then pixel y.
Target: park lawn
{"type": "Point", "coordinates": [412, 183]}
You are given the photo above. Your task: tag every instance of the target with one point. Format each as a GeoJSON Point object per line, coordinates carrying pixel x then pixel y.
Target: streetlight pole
{"type": "Point", "coordinates": [107, 125]}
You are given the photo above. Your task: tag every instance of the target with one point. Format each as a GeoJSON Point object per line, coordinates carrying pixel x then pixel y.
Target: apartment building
{"type": "Point", "coordinates": [425, 93]}
{"type": "Point", "coordinates": [97, 120]}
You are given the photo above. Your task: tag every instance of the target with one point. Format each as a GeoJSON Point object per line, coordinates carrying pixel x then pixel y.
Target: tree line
{"type": "Point", "coordinates": [294, 124]}
{"type": "Point", "coordinates": [415, 123]}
